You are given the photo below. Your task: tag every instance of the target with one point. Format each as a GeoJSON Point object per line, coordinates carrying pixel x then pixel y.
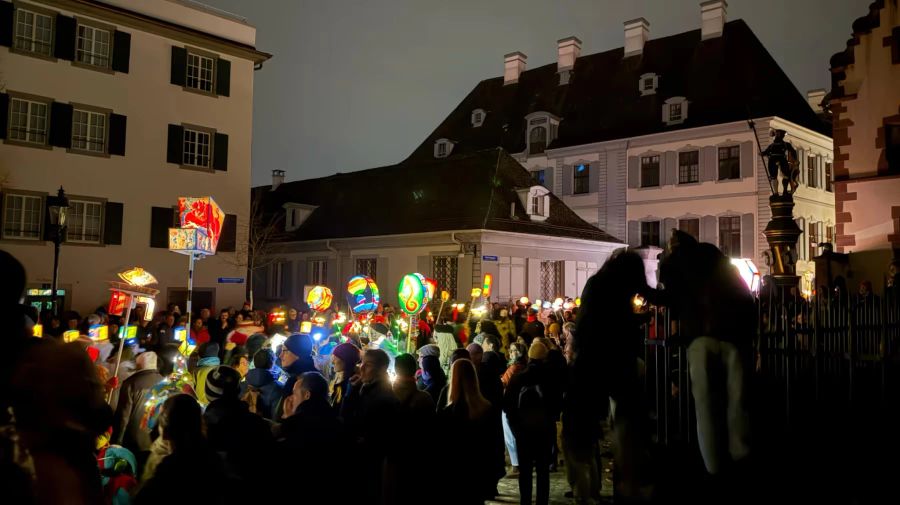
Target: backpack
{"type": "Point", "coordinates": [251, 397]}
{"type": "Point", "coordinates": [532, 408]}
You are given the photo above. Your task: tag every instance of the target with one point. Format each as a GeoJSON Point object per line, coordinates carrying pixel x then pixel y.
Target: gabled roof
{"type": "Point", "coordinates": [469, 192]}
{"type": "Point", "coordinates": [725, 79]}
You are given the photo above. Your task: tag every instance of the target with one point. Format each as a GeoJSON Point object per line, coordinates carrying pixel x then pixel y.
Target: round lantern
{"type": "Point", "coordinates": [412, 294]}
{"type": "Point", "coordinates": [319, 298]}
{"type": "Point", "coordinates": [362, 294]}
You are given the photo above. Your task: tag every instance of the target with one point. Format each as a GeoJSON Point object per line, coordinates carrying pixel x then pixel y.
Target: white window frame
{"type": "Point", "coordinates": [73, 216]}
{"type": "Point", "coordinates": [196, 61]}
{"type": "Point", "coordinates": [28, 42]}
{"type": "Point", "coordinates": [31, 130]}
{"type": "Point", "coordinates": [537, 203]}
{"type": "Point", "coordinates": [318, 272]}
{"type": "Point", "coordinates": [666, 110]}
{"type": "Point", "coordinates": [740, 231]}
{"type": "Point", "coordinates": [443, 148]}
{"type": "Point", "coordinates": [96, 53]}
{"type": "Point", "coordinates": [96, 131]}
{"type": "Point", "coordinates": [191, 147]}
{"type": "Point", "coordinates": [642, 80]}
{"type": "Point", "coordinates": [19, 233]}
{"type": "Point", "coordinates": [477, 117]}
{"type": "Point", "coordinates": [541, 120]}
{"type": "Point", "coordinates": [575, 178]}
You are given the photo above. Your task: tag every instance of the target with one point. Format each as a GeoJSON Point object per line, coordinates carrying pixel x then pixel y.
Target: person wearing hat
{"type": "Point", "coordinates": [344, 359]}
{"type": "Point", "coordinates": [533, 327]}
{"type": "Point", "coordinates": [532, 403]}
{"type": "Point", "coordinates": [446, 342]}
{"type": "Point", "coordinates": [209, 359]}
{"type": "Point", "coordinates": [296, 358]}
{"type": "Point", "coordinates": [263, 384]}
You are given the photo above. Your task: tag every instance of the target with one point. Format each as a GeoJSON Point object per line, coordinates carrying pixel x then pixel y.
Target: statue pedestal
{"type": "Point", "coordinates": [782, 233]}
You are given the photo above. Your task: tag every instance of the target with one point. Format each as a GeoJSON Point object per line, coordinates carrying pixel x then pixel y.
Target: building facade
{"type": "Point", "coordinates": [654, 135]}
{"type": "Point", "coordinates": [865, 102]}
{"type": "Point", "coordinates": [127, 106]}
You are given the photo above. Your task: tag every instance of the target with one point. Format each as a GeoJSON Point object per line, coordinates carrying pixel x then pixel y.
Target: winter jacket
{"type": "Point", "coordinates": [370, 416]}
{"type": "Point", "coordinates": [270, 391]}
{"type": "Point", "coordinates": [200, 337]}
{"type": "Point", "coordinates": [195, 476]}
{"type": "Point", "coordinates": [512, 370]}
{"type": "Point", "coordinates": [433, 377]}
{"type": "Point", "coordinates": [415, 407]}
{"type": "Point", "coordinates": [507, 329]}
{"type": "Point", "coordinates": [243, 438]}
{"type": "Point", "coordinates": [533, 329]}
{"type": "Point", "coordinates": [339, 391]}
{"type": "Point", "coordinates": [127, 430]}
{"type": "Point", "coordinates": [467, 442]}
{"type": "Point", "coordinates": [537, 373]}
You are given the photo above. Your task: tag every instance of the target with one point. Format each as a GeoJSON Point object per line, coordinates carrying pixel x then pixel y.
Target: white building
{"type": "Point", "coordinates": [127, 105]}
{"type": "Point", "coordinates": [654, 135]}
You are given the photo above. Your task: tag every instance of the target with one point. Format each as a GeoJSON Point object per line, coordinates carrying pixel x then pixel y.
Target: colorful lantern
{"type": "Point", "coordinates": [71, 336]}
{"type": "Point", "coordinates": [412, 294]}
{"type": "Point", "coordinates": [319, 298]}
{"type": "Point", "coordinates": [37, 330]}
{"type": "Point", "coordinates": [362, 294]}
{"type": "Point", "coordinates": [98, 332]}
{"type": "Point", "coordinates": [202, 214]}
{"type": "Point", "coordinates": [578, 302]}
{"type": "Point", "coordinates": [137, 276]}
{"type": "Point", "coordinates": [190, 241]}
{"type": "Point", "coordinates": [523, 300]}
{"type": "Point", "coordinates": [129, 333]}
{"type": "Point", "coordinates": [476, 292]}
{"type": "Point", "coordinates": [149, 306]}
{"type": "Point", "coordinates": [117, 301]}
{"type": "Point", "coordinates": [486, 288]}
{"type": "Point", "coordinates": [748, 272]}
{"type": "Point", "coordinates": [306, 327]}
{"type": "Point", "coordinates": [445, 295]}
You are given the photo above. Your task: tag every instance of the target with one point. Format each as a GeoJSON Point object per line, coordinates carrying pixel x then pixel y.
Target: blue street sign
{"type": "Point", "coordinates": [489, 258]}
{"type": "Point", "coordinates": [231, 280]}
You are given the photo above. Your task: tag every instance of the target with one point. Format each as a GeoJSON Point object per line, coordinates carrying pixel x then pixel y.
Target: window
{"type": "Point", "coordinates": [537, 140]}
{"type": "Point", "coordinates": [730, 236]}
{"type": "Point", "coordinates": [537, 205]}
{"type": "Point", "coordinates": [649, 233]}
{"type": "Point", "coordinates": [22, 216]}
{"type": "Point", "coordinates": [34, 32]}
{"type": "Point", "coordinates": [647, 84]}
{"type": "Point", "coordinates": [688, 167]}
{"type": "Point", "coordinates": [729, 163]}
{"type": "Point", "coordinates": [551, 279]}
{"type": "Point", "coordinates": [84, 221]}
{"type": "Point", "coordinates": [813, 240]}
{"type": "Point", "coordinates": [276, 280]}
{"type": "Point", "coordinates": [27, 121]}
{"type": "Point", "coordinates": [442, 148]}
{"type": "Point", "coordinates": [812, 172]}
{"type": "Point", "coordinates": [829, 234]}
{"type": "Point", "coordinates": [318, 272]}
{"type": "Point", "coordinates": [542, 128]}
{"type": "Point", "coordinates": [89, 131]}
{"type": "Point", "coordinates": [582, 179]}
{"type": "Point", "coordinates": [538, 176]}
{"type": "Point", "coordinates": [649, 171]}
{"type": "Point", "coordinates": [200, 72]}
{"type": "Point", "coordinates": [367, 267]}
{"type": "Point", "coordinates": [444, 270]}
{"type": "Point", "coordinates": [690, 226]}
{"type": "Point", "coordinates": [674, 112]}
{"type": "Point", "coordinates": [196, 148]}
{"type": "Point", "coordinates": [829, 178]}
{"type": "Point", "coordinates": [93, 46]}
{"type": "Point", "coordinates": [477, 118]}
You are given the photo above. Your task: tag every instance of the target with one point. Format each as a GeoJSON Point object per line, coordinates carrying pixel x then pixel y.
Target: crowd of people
{"type": "Point", "coordinates": [259, 410]}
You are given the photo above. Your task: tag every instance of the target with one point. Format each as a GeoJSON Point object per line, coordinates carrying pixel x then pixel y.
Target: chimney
{"type": "Point", "coordinates": [513, 66]}
{"type": "Point", "coordinates": [637, 31]}
{"type": "Point", "coordinates": [567, 51]}
{"type": "Point", "coordinates": [712, 18]}
{"type": "Point", "coordinates": [815, 97]}
{"type": "Point", "coordinates": [277, 178]}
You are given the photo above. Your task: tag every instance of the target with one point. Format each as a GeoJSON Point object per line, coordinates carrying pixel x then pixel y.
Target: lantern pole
{"type": "Point", "coordinates": [124, 330]}
{"type": "Point", "coordinates": [190, 293]}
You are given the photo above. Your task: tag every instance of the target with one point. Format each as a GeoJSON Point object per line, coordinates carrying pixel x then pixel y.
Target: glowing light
{"type": "Point", "coordinates": [430, 286]}
{"type": "Point", "coordinates": [306, 327]}
{"type": "Point", "coordinates": [411, 294]}
{"type": "Point", "coordinates": [538, 302]}
{"type": "Point", "coordinates": [277, 316]}
{"type": "Point", "coordinates": [486, 287]}
{"type": "Point", "coordinates": [341, 317]}
{"type": "Point", "coordinates": [137, 276]}
{"type": "Point", "coordinates": [445, 295]}
{"type": "Point", "coordinates": [362, 294]}
{"type": "Point", "coordinates": [578, 302]}
{"type": "Point", "coordinates": [568, 305]}
{"type": "Point", "coordinates": [319, 298]}
{"type": "Point", "coordinates": [318, 333]}
{"type": "Point", "coordinates": [117, 301]}
{"type": "Point", "coordinates": [524, 300]}
{"type": "Point", "coordinates": [638, 302]}
{"type": "Point", "coordinates": [748, 272]}
{"type": "Point", "coordinates": [70, 336]}
{"type": "Point", "coordinates": [37, 330]}
{"type": "Point", "coordinates": [277, 341]}
{"type": "Point", "coordinates": [129, 333]}
{"type": "Point", "coordinates": [476, 292]}
{"type": "Point", "coordinates": [150, 308]}
{"type": "Point", "coordinates": [547, 305]}
{"type": "Point", "coordinates": [202, 214]}
{"type": "Point", "coordinates": [98, 332]}
{"type": "Point", "coordinates": [404, 325]}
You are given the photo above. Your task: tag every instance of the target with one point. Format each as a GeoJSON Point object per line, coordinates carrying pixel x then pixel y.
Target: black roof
{"type": "Point", "coordinates": [725, 79]}
{"type": "Point", "coordinates": [470, 192]}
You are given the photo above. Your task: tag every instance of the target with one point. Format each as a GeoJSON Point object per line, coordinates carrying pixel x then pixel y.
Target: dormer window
{"type": "Point", "coordinates": [542, 130]}
{"type": "Point", "coordinates": [536, 201]}
{"type": "Point", "coordinates": [648, 83]}
{"type": "Point", "coordinates": [442, 148]}
{"type": "Point", "coordinates": [477, 117]}
{"type": "Point", "coordinates": [296, 214]}
{"type": "Point", "coordinates": [675, 110]}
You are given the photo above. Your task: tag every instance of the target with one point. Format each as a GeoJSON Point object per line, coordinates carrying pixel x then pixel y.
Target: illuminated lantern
{"type": "Point", "coordinates": [476, 292]}
{"type": "Point", "coordinates": [37, 331]}
{"type": "Point", "coordinates": [748, 271]}
{"type": "Point", "coordinates": [129, 333]}
{"type": "Point", "coordinates": [445, 295]}
{"type": "Point", "coordinates": [137, 276]}
{"type": "Point", "coordinates": [557, 303]}
{"type": "Point", "coordinates": [362, 294]}
{"type": "Point", "coordinates": [319, 298]}
{"type": "Point", "coordinates": [306, 327]}
{"type": "Point", "coordinates": [578, 302]}
{"type": "Point", "coordinates": [202, 214]}
{"type": "Point", "coordinates": [98, 332]}
{"type": "Point", "coordinates": [117, 301]}
{"type": "Point", "coordinates": [523, 300]}
{"type": "Point", "coordinates": [70, 336]}
{"type": "Point", "coordinates": [276, 316]}
{"type": "Point", "coordinates": [149, 306]}
{"type": "Point", "coordinates": [486, 288]}
{"type": "Point", "coordinates": [430, 288]}
{"type": "Point", "coordinates": [412, 294]}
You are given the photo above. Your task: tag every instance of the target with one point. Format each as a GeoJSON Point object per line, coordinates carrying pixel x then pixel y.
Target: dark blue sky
{"type": "Point", "coordinates": [358, 84]}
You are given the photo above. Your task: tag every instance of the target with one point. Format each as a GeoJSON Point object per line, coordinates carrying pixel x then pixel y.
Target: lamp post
{"type": "Point", "coordinates": [59, 208]}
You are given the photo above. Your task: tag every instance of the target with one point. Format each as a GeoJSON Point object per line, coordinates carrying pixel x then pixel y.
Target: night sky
{"type": "Point", "coordinates": [359, 84]}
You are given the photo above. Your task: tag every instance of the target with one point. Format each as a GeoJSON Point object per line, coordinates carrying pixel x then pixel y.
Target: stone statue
{"type": "Point", "coordinates": [782, 157]}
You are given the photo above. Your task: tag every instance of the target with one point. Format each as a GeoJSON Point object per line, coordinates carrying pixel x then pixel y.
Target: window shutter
{"type": "Point", "coordinates": [801, 240]}
{"type": "Point", "coordinates": [121, 56]}
{"type": "Point", "coordinates": [634, 233]}
{"type": "Point", "coordinates": [175, 147]}
{"type": "Point", "coordinates": [801, 165]}
{"type": "Point", "coordinates": [548, 178]}
{"type": "Point", "coordinates": [6, 24]}
{"type": "Point", "coordinates": [634, 173]}
{"type": "Point", "coordinates": [117, 127]}
{"type": "Point", "coordinates": [260, 281]}
{"type": "Point", "coordinates": [179, 66]}
{"type": "Point", "coordinates": [747, 159]}
{"type": "Point", "coordinates": [748, 236]}
{"type": "Point", "coordinates": [45, 223]}
{"type": "Point", "coordinates": [287, 280]}
{"type": "Point", "coordinates": [228, 238]}
{"type": "Point", "coordinates": [568, 179]}
{"type": "Point", "coordinates": [670, 173]}
{"type": "Point", "coordinates": [709, 229]}
{"type": "Point", "coordinates": [60, 125]}
{"type": "Point", "coordinates": [709, 164]}
{"type": "Point", "coordinates": [668, 225]}
{"type": "Point", "coordinates": [112, 223]}
{"type": "Point", "coordinates": [594, 178]}
{"type": "Point", "coordinates": [820, 172]}
{"type": "Point", "coordinates": [223, 77]}
{"type": "Point", "coordinates": [220, 152]}
{"type": "Point", "coordinates": [64, 41]}
{"type": "Point", "coordinates": [302, 269]}
{"type": "Point", "coordinates": [161, 219]}
{"type": "Point", "coordinates": [4, 113]}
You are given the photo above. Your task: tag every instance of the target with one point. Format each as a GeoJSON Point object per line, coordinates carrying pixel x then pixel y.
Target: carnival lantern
{"type": "Point", "coordinates": [362, 294]}
{"type": "Point", "coordinates": [320, 298]}
{"type": "Point", "coordinates": [133, 288]}
{"type": "Point", "coordinates": [412, 295]}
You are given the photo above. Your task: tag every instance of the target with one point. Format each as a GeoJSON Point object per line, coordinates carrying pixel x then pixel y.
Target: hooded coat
{"type": "Point", "coordinates": [127, 430]}
{"type": "Point", "coordinates": [270, 391]}
{"type": "Point", "coordinates": [243, 438]}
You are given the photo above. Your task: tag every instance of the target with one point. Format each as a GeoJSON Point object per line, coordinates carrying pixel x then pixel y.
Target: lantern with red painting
{"type": "Point", "coordinates": [117, 301]}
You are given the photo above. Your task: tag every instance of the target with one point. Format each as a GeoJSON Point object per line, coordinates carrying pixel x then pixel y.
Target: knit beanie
{"type": "Point", "coordinates": [537, 351]}
{"type": "Point", "coordinates": [299, 344]}
{"type": "Point", "coordinates": [430, 350]}
{"type": "Point", "coordinates": [146, 361]}
{"type": "Point", "coordinates": [479, 339]}
{"type": "Point", "coordinates": [348, 353]}
{"type": "Point", "coordinates": [211, 350]}
{"type": "Point", "coordinates": [223, 382]}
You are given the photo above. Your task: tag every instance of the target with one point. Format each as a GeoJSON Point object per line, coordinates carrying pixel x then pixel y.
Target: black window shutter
{"type": "Point", "coordinates": [121, 58]}
{"type": "Point", "coordinates": [112, 223]}
{"type": "Point", "coordinates": [60, 124]}
{"type": "Point", "coordinates": [223, 77]}
{"type": "Point", "coordinates": [4, 114]}
{"type": "Point", "coordinates": [117, 128]}
{"type": "Point", "coordinates": [220, 152]}
{"type": "Point", "coordinates": [64, 42]}
{"type": "Point", "coordinates": [6, 24]}
{"type": "Point", "coordinates": [179, 65]}
{"type": "Point", "coordinates": [228, 239]}
{"type": "Point", "coordinates": [160, 221]}
{"type": "Point", "coordinates": [175, 150]}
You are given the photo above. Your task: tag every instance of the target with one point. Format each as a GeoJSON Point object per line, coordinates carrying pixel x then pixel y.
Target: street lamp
{"type": "Point", "coordinates": [58, 207]}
